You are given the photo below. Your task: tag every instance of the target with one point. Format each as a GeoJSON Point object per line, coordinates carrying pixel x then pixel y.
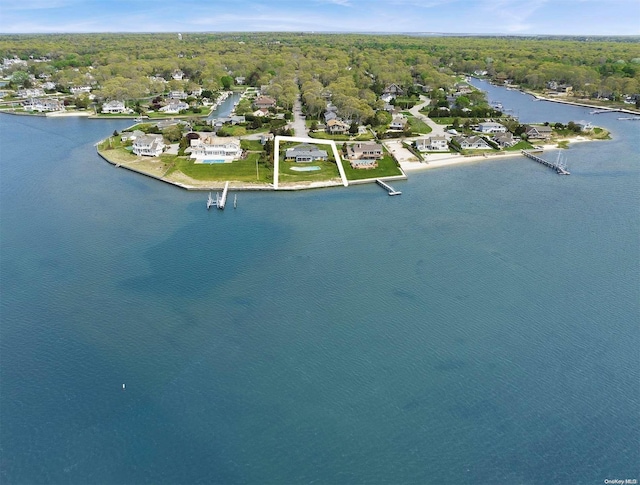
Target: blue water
{"type": "Point", "coordinates": [305, 169]}
{"type": "Point", "coordinates": [212, 161]}
{"type": "Point", "coordinates": [481, 328]}
{"type": "Point", "coordinates": [225, 107]}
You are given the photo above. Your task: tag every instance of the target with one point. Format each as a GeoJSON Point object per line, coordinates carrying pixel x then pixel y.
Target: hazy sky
{"type": "Point", "coordinates": [570, 17]}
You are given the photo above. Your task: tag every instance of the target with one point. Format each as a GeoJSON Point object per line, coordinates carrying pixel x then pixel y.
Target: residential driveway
{"type": "Point", "coordinates": [437, 130]}
{"type": "Point", "coordinates": [298, 124]}
{"type": "Point", "coordinates": [401, 154]}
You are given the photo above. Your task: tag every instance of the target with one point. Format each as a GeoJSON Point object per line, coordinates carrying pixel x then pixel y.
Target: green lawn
{"type": "Point", "coordinates": [386, 167]}
{"type": "Point", "coordinates": [418, 126]}
{"type": "Point", "coordinates": [326, 136]}
{"type": "Point", "coordinates": [253, 145]}
{"type": "Point", "coordinates": [328, 170]}
{"type": "Point", "coordinates": [239, 170]}
{"type": "Point", "coordinates": [521, 145]}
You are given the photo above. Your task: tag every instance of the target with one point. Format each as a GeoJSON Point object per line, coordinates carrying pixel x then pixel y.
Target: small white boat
{"type": "Point", "coordinates": [210, 201]}
{"type": "Point", "coordinates": [123, 387]}
{"type": "Point", "coordinates": [235, 201]}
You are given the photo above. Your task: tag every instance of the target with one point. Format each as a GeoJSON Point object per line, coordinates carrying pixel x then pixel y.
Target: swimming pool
{"type": "Point", "coordinates": [305, 169]}
{"type": "Point", "coordinates": [209, 161]}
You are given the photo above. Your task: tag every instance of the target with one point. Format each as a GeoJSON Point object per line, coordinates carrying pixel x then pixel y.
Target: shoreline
{"type": "Point", "coordinates": [448, 160]}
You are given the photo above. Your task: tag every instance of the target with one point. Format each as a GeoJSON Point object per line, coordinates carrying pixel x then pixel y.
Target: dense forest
{"type": "Point", "coordinates": [352, 69]}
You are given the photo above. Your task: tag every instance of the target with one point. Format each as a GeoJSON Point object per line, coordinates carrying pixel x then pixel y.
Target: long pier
{"type": "Point", "coordinates": [557, 167]}
{"type": "Point", "coordinates": [223, 200]}
{"type": "Point", "coordinates": [388, 188]}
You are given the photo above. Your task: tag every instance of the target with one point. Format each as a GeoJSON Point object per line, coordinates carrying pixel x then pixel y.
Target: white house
{"type": "Point", "coordinates": [43, 105]}
{"type": "Point", "coordinates": [148, 145]}
{"type": "Point", "coordinates": [491, 127]}
{"type": "Point", "coordinates": [177, 75]}
{"type": "Point", "coordinates": [80, 89]}
{"type": "Point", "coordinates": [365, 150]}
{"type": "Point", "coordinates": [174, 107]}
{"type": "Point", "coordinates": [207, 146]}
{"type": "Point", "coordinates": [177, 95]}
{"type": "Point", "coordinates": [433, 143]}
{"type": "Point", "coordinates": [115, 107]}
{"type": "Point", "coordinates": [398, 123]}
{"type": "Point", "coordinates": [30, 93]}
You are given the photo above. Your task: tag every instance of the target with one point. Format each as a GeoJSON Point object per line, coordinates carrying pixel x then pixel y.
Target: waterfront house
{"type": "Point", "coordinates": [539, 132]}
{"type": "Point", "coordinates": [358, 151]}
{"type": "Point", "coordinates": [115, 107]}
{"type": "Point", "coordinates": [264, 102]}
{"type": "Point", "coordinates": [472, 143]}
{"type": "Point", "coordinates": [505, 140]}
{"type": "Point", "coordinates": [337, 127]}
{"type": "Point", "coordinates": [305, 154]}
{"type": "Point", "coordinates": [174, 107]}
{"type": "Point", "coordinates": [148, 145]}
{"type": "Point", "coordinates": [42, 105]}
{"type": "Point", "coordinates": [432, 143]}
{"type": "Point", "coordinates": [491, 127]}
{"type": "Point", "coordinates": [208, 146]}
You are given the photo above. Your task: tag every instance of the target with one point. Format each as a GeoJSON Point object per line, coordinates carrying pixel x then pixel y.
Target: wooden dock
{"type": "Point", "coordinates": [388, 188]}
{"type": "Point", "coordinates": [560, 170]}
{"type": "Point", "coordinates": [223, 200]}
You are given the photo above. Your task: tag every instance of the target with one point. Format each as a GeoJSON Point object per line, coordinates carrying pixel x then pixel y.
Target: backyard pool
{"type": "Point", "coordinates": [305, 169]}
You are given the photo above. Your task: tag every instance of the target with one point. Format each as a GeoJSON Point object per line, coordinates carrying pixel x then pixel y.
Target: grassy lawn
{"type": "Point", "coordinates": [521, 145]}
{"type": "Point", "coordinates": [253, 145]}
{"type": "Point", "coordinates": [418, 126]}
{"type": "Point", "coordinates": [328, 171]}
{"type": "Point", "coordinates": [239, 170]}
{"type": "Point", "coordinates": [386, 167]}
{"type": "Point", "coordinates": [326, 136]}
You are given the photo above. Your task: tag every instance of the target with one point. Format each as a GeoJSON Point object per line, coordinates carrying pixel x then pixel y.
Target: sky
{"type": "Point", "coordinates": [509, 17]}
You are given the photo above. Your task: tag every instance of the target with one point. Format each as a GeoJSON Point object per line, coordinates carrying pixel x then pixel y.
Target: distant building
{"type": "Point", "coordinates": [264, 102]}
{"type": "Point", "coordinates": [115, 107]}
{"type": "Point", "coordinates": [337, 127]}
{"type": "Point", "coordinates": [42, 105]}
{"type": "Point", "coordinates": [174, 107]}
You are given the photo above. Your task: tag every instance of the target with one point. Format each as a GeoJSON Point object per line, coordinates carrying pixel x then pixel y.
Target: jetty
{"type": "Point", "coordinates": [221, 201]}
{"type": "Point", "coordinates": [388, 187]}
{"type": "Point", "coordinates": [558, 166]}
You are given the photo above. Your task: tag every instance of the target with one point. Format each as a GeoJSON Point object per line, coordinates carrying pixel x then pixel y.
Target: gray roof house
{"type": "Point", "coordinates": [536, 131]}
{"type": "Point", "coordinates": [471, 142]}
{"type": "Point", "coordinates": [305, 153]}
{"type": "Point", "coordinates": [365, 150]}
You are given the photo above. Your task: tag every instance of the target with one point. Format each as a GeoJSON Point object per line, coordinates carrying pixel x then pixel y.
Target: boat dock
{"type": "Point", "coordinates": [388, 188]}
{"type": "Point", "coordinates": [221, 201]}
{"type": "Point", "coordinates": [558, 167]}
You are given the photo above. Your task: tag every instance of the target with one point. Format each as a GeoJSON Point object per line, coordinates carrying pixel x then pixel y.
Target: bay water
{"type": "Point", "coordinates": [481, 328]}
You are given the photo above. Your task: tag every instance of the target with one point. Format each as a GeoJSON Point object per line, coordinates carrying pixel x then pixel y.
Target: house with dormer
{"type": "Point", "coordinates": [337, 127]}
{"type": "Point", "coordinates": [264, 102]}
{"type": "Point", "coordinates": [538, 132]}
{"type": "Point", "coordinates": [471, 143]}
{"type": "Point", "coordinates": [148, 145]}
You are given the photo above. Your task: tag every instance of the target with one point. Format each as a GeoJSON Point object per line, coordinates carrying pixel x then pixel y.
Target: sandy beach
{"type": "Point", "coordinates": [438, 160]}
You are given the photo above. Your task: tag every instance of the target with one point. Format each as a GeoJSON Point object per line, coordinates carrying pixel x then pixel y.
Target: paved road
{"type": "Point", "coordinates": [298, 124]}
{"type": "Point", "coordinates": [436, 129]}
